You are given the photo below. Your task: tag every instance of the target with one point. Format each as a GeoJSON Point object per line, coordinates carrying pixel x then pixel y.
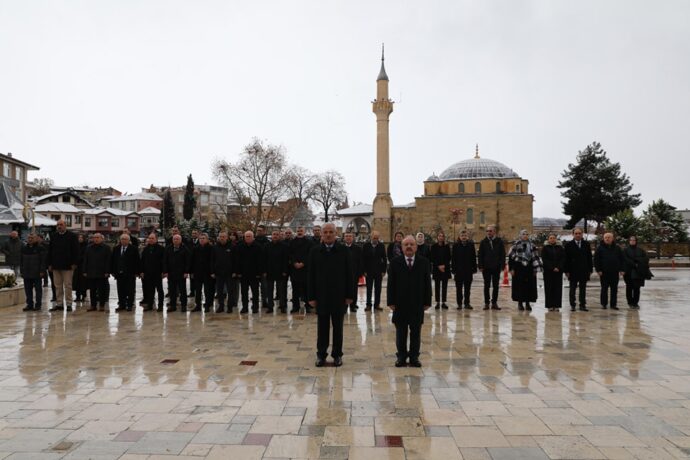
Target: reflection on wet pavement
{"type": "Point", "coordinates": [602, 384]}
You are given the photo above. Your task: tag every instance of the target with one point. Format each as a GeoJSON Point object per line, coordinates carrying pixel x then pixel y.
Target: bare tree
{"type": "Point", "coordinates": [256, 180]}
{"type": "Point", "coordinates": [298, 181]}
{"type": "Point", "coordinates": [42, 185]}
{"type": "Point", "coordinates": [328, 189]}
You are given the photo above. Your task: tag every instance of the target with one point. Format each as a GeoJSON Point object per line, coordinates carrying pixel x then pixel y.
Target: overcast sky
{"type": "Point", "coordinates": [129, 93]}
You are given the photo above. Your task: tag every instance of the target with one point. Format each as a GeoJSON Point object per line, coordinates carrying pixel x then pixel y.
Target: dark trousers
{"type": "Point", "coordinates": [579, 286]}
{"type": "Point", "coordinates": [226, 285]}
{"type": "Point", "coordinates": [98, 291]}
{"type": "Point", "coordinates": [374, 282]}
{"type": "Point", "coordinates": [491, 278]}
{"type": "Point", "coordinates": [609, 282]}
{"type": "Point", "coordinates": [52, 284]}
{"type": "Point", "coordinates": [323, 326]}
{"type": "Point", "coordinates": [355, 289]}
{"type": "Point", "coordinates": [206, 285]}
{"type": "Point", "coordinates": [263, 288]}
{"type": "Point", "coordinates": [401, 332]}
{"type": "Point", "coordinates": [126, 285]}
{"type": "Point", "coordinates": [151, 284]}
{"type": "Point", "coordinates": [177, 287]}
{"type": "Point", "coordinates": [632, 291]}
{"type": "Point", "coordinates": [463, 284]}
{"type": "Point", "coordinates": [299, 291]}
{"type": "Point", "coordinates": [553, 289]}
{"type": "Point", "coordinates": [278, 285]}
{"type": "Point", "coordinates": [441, 290]}
{"type": "Point", "coordinates": [32, 285]}
{"type": "Point", "coordinates": [246, 285]}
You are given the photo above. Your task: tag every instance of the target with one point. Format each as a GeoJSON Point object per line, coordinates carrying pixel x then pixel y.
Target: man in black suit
{"type": "Point", "coordinates": [374, 260]}
{"type": "Point", "coordinates": [222, 270]}
{"type": "Point", "coordinates": [578, 268]}
{"type": "Point", "coordinates": [440, 260]}
{"type": "Point", "coordinates": [249, 269]}
{"type": "Point", "coordinates": [464, 266]}
{"type": "Point", "coordinates": [409, 295]}
{"type": "Point", "coordinates": [152, 272]}
{"type": "Point", "coordinates": [277, 267]}
{"type": "Point", "coordinates": [125, 266]}
{"type": "Point", "coordinates": [201, 274]}
{"type": "Point", "coordinates": [356, 256]}
{"type": "Point", "coordinates": [491, 261]}
{"type": "Point", "coordinates": [329, 291]}
{"type": "Point", "coordinates": [176, 267]}
{"type": "Point", "coordinates": [299, 253]}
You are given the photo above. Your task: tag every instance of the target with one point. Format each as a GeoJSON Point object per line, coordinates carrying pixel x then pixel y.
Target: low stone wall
{"type": "Point", "coordinates": [12, 296]}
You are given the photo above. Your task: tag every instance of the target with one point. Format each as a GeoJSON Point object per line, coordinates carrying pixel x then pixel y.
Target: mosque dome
{"type": "Point", "coordinates": [478, 168]}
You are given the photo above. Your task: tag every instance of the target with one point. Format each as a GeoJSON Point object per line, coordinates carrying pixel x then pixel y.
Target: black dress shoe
{"type": "Point", "coordinates": [495, 307]}
{"type": "Point", "coordinates": [520, 306]}
{"type": "Point", "coordinates": [367, 309]}
{"type": "Point", "coordinates": [603, 307]}
{"type": "Point", "coordinates": [415, 363]}
{"type": "Point", "coordinates": [438, 306]}
{"type": "Point", "coordinates": [183, 309]}
{"type": "Point", "coordinates": [337, 362]}
{"type": "Point", "coordinates": [196, 309]}
{"type": "Point", "coordinates": [320, 362]}
{"type": "Point", "coordinates": [28, 308]}
{"type": "Point", "coordinates": [244, 310]}
{"type": "Point", "coordinates": [400, 363]}
{"type": "Point", "coordinates": [444, 306]}
{"type": "Point", "coordinates": [486, 307]}
{"type": "Point", "coordinates": [572, 308]}
{"type": "Point", "coordinates": [170, 309]}
{"type": "Point", "coordinates": [528, 307]}
{"type": "Point", "coordinates": [468, 307]}
{"type": "Point", "coordinates": [613, 307]}
{"type": "Point", "coordinates": [377, 308]}
{"type": "Point", "coordinates": [584, 309]}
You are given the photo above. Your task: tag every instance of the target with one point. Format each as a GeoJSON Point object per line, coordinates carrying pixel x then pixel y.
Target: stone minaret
{"type": "Point", "coordinates": [382, 106]}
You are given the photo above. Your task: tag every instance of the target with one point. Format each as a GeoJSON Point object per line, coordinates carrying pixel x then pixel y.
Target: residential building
{"type": "Point", "coordinates": [136, 202]}
{"type": "Point", "coordinates": [14, 174]}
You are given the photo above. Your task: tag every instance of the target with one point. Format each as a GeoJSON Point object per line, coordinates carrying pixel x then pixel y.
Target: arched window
{"type": "Point", "coordinates": [461, 187]}
{"type": "Point", "coordinates": [477, 187]}
{"type": "Point", "coordinates": [517, 188]}
{"type": "Point", "coordinates": [498, 187]}
{"type": "Point", "coordinates": [482, 218]}
{"type": "Point", "coordinates": [470, 216]}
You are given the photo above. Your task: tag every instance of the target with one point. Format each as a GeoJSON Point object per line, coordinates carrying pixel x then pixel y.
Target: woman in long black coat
{"type": "Point", "coordinates": [395, 247]}
{"type": "Point", "coordinates": [440, 261]}
{"type": "Point", "coordinates": [524, 263]}
{"type": "Point", "coordinates": [636, 264]}
{"type": "Point", "coordinates": [553, 258]}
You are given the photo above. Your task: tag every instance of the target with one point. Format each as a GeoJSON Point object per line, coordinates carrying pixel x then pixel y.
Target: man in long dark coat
{"type": "Point", "coordinates": [222, 270]}
{"type": "Point", "coordinates": [440, 260]}
{"type": "Point", "coordinates": [96, 269]}
{"type": "Point", "coordinates": [299, 253]}
{"type": "Point", "coordinates": [578, 268]}
{"type": "Point", "coordinates": [610, 266]}
{"type": "Point", "coordinates": [201, 274]}
{"type": "Point", "coordinates": [357, 270]}
{"type": "Point", "coordinates": [375, 261]}
{"type": "Point", "coordinates": [464, 266]}
{"type": "Point", "coordinates": [491, 261]}
{"type": "Point", "coordinates": [409, 295]}
{"type": "Point", "coordinates": [176, 266]}
{"type": "Point", "coordinates": [125, 268]}
{"type": "Point", "coordinates": [249, 269]}
{"type": "Point", "coordinates": [277, 267]}
{"type": "Point", "coordinates": [330, 292]}
{"type": "Point", "coordinates": [152, 272]}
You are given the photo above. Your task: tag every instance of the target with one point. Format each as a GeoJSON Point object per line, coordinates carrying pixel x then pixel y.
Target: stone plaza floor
{"type": "Point", "coordinates": [495, 385]}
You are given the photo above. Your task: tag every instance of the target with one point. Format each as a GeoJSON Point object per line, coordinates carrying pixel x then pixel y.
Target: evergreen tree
{"type": "Point", "coordinates": [168, 214]}
{"type": "Point", "coordinates": [595, 188]}
{"type": "Point", "coordinates": [662, 223]}
{"type": "Point", "coordinates": [189, 200]}
{"type": "Point", "coordinates": [624, 224]}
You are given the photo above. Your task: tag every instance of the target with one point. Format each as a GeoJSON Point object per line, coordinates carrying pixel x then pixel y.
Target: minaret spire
{"type": "Point", "coordinates": [476, 151]}
{"type": "Point", "coordinates": [382, 72]}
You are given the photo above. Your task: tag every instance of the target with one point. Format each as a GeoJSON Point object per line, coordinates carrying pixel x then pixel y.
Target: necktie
{"type": "Point", "coordinates": [409, 263]}
{"type": "Point", "coordinates": [578, 244]}
{"type": "Point", "coordinates": [491, 243]}
{"type": "Point", "coordinates": [123, 251]}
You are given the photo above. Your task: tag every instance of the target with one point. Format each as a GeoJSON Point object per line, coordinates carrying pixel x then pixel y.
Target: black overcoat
{"type": "Point", "coordinates": [152, 260]}
{"type": "Point", "coordinates": [277, 259]}
{"type": "Point", "coordinates": [177, 263]}
{"type": "Point", "coordinates": [127, 264]}
{"type": "Point", "coordinates": [440, 255]}
{"type": "Point", "coordinates": [97, 261]}
{"type": "Point", "coordinates": [374, 258]}
{"type": "Point", "coordinates": [223, 259]}
{"type": "Point", "coordinates": [356, 257]}
{"type": "Point", "coordinates": [608, 258]}
{"type": "Point", "coordinates": [492, 255]}
{"type": "Point", "coordinates": [578, 261]}
{"type": "Point", "coordinates": [249, 261]}
{"type": "Point", "coordinates": [636, 264]}
{"type": "Point", "coordinates": [463, 260]}
{"type": "Point", "coordinates": [330, 280]}
{"type": "Point", "coordinates": [553, 256]}
{"type": "Point", "coordinates": [409, 290]}
{"type": "Point", "coordinates": [201, 260]}
{"type": "Point", "coordinates": [299, 253]}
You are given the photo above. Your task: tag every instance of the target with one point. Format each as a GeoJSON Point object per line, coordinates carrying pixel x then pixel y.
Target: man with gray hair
{"type": "Point", "coordinates": [610, 266]}
{"type": "Point", "coordinates": [125, 267]}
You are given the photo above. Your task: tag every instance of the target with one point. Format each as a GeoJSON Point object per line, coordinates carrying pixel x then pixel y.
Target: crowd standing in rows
{"type": "Point", "coordinates": [323, 274]}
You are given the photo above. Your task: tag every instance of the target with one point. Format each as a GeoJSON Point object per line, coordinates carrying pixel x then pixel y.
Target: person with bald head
{"type": "Point", "coordinates": [329, 291]}
{"type": "Point", "coordinates": [63, 255]}
{"type": "Point", "coordinates": [125, 267]}
{"type": "Point", "coordinates": [176, 266]}
{"type": "Point", "coordinates": [374, 261]}
{"type": "Point", "coordinates": [96, 270]}
{"type": "Point", "coordinates": [249, 269]}
{"type": "Point", "coordinates": [409, 295]}
{"type": "Point", "coordinates": [610, 266]}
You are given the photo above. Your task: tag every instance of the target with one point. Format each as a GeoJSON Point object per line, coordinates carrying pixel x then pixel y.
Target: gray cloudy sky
{"type": "Point", "coordinates": [129, 93]}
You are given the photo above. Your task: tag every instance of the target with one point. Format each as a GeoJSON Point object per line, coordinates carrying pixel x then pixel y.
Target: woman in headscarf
{"type": "Point", "coordinates": [524, 263]}
{"type": "Point", "coordinates": [553, 257]}
{"type": "Point", "coordinates": [636, 264]}
{"type": "Point", "coordinates": [423, 249]}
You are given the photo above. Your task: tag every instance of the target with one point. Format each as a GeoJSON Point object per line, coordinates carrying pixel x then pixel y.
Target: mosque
{"type": "Point", "coordinates": [470, 194]}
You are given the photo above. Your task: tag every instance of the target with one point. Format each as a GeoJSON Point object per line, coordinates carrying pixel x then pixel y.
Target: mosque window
{"type": "Point", "coordinates": [498, 187]}
{"type": "Point", "coordinates": [517, 188]}
{"type": "Point", "coordinates": [461, 187]}
{"type": "Point", "coordinates": [470, 216]}
{"type": "Point", "coordinates": [477, 187]}
{"type": "Point", "coordinates": [482, 218]}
